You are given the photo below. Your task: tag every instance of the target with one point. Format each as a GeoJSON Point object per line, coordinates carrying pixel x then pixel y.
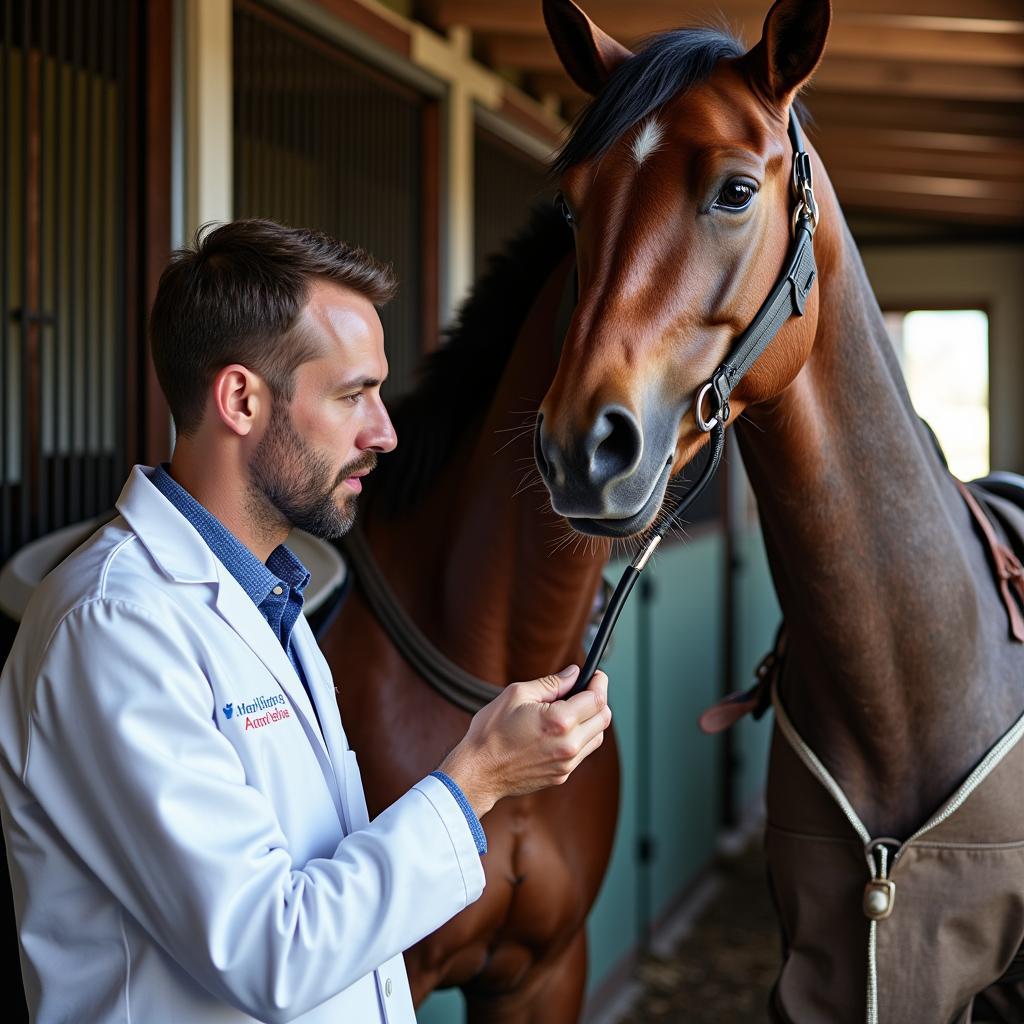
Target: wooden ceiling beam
{"type": "Point", "coordinates": [868, 140]}
{"type": "Point", "coordinates": [849, 152]}
{"type": "Point", "coordinates": [952, 81]}
{"type": "Point", "coordinates": [520, 16]}
{"type": "Point", "coordinates": [858, 199]}
{"type": "Point", "coordinates": [916, 185]}
{"type": "Point", "coordinates": [533, 54]}
{"type": "Point", "coordinates": [833, 109]}
{"type": "Point", "coordinates": [856, 36]}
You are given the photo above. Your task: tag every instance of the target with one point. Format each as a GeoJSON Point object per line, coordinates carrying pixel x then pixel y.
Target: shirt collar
{"type": "Point", "coordinates": [255, 578]}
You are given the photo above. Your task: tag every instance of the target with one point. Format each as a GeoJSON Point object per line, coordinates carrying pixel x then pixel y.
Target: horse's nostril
{"type": "Point", "coordinates": [545, 452]}
{"type": "Point", "coordinates": [614, 445]}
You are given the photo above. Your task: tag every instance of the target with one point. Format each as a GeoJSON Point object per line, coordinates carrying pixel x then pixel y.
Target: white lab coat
{"type": "Point", "coordinates": [184, 846]}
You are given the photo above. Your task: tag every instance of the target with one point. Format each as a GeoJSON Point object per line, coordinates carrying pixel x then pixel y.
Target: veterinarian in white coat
{"type": "Point", "coordinates": [185, 822]}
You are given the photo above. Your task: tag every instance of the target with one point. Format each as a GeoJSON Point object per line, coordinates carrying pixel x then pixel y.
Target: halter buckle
{"type": "Point", "coordinates": [806, 205]}
{"type": "Point", "coordinates": [806, 209]}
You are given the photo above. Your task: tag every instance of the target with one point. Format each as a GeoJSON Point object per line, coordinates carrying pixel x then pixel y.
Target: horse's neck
{"type": "Point", "coordinates": [885, 591]}
{"type": "Point", "coordinates": [510, 591]}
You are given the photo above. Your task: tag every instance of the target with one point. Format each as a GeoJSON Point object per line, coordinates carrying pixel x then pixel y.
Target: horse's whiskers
{"type": "Point", "coordinates": [512, 440]}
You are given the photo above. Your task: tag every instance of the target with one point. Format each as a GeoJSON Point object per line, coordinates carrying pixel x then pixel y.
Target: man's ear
{"type": "Point", "coordinates": [237, 397]}
{"type": "Point", "coordinates": [587, 54]}
{"type": "Point", "coordinates": [792, 42]}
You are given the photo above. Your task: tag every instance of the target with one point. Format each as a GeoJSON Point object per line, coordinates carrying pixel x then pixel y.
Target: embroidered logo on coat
{"type": "Point", "coordinates": [274, 708]}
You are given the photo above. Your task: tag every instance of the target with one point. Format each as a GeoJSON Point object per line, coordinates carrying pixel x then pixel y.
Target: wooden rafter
{"type": "Point", "coordinates": [520, 15]}
{"type": "Point", "coordinates": [917, 109]}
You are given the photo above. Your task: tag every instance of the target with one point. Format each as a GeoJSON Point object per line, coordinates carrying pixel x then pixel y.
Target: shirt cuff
{"type": "Point", "coordinates": [471, 819]}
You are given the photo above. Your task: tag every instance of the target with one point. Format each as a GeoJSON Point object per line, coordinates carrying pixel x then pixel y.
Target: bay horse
{"type": "Point", "coordinates": [901, 688]}
{"type": "Point", "coordinates": [489, 578]}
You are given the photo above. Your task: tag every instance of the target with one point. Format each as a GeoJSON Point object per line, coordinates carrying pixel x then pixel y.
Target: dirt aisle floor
{"type": "Point", "coordinates": [723, 970]}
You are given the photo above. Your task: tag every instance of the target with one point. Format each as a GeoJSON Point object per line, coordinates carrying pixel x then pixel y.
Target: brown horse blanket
{"type": "Point", "coordinates": [957, 919]}
{"type": "Point", "coordinates": [951, 949]}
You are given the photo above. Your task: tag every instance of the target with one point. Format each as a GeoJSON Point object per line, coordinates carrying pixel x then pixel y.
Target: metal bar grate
{"type": "Point", "coordinates": [507, 183]}
{"type": "Point", "coordinates": [322, 141]}
{"type": "Point", "coordinates": [65, 136]}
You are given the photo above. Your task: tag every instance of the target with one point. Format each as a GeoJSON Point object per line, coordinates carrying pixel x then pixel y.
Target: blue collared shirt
{"type": "Point", "coordinates": [276, 589]}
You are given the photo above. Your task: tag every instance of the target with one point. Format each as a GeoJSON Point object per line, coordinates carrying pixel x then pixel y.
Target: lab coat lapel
{"type": "Point", "coordinates": [237, 608]}
{"type": "Point", "coordinates": [184, 556]}
{"type": "Point", "coordinates": [321, 685]}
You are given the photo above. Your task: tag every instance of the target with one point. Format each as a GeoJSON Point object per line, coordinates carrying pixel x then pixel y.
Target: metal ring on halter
{"type": "Point", "coordinates": [706, 425]}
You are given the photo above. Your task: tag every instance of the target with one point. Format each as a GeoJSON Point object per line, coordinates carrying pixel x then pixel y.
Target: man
{"type": "Point", "coordinates": [185, 823]}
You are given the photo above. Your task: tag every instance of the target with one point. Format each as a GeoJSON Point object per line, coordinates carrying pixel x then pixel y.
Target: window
{"type": "Point", "coordinates": [944, 355]}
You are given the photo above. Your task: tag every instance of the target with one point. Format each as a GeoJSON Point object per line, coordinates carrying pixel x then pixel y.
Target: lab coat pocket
{"type": "Point", "coordinates": [355, 799]}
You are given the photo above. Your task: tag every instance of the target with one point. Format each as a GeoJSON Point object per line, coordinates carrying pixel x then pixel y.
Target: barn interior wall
{"type": "Point", "coordinates": [988, 277]}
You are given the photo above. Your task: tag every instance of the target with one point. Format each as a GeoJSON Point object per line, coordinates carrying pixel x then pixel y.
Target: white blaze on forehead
{"type": "Point", "coordinates": [648, 139]}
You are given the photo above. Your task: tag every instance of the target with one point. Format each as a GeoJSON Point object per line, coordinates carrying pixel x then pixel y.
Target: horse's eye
{"type": "Point", "coordinates": [563, 207]}
{"type": "Point", "coordinates": [735, 196]}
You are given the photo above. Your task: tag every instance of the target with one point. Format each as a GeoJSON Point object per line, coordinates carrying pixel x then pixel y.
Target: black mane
{"type": "Point", "coordinates": [667, 64]}
{"type": "Point", "coordinates": [457, 382]}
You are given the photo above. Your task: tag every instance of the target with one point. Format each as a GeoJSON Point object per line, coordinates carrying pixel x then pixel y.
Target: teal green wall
{"type": "Point", "coordinates": [757, 618]}
{"type": "Point", "coordinates": [670, 639]}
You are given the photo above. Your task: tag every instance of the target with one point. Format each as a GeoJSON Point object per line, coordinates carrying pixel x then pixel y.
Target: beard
{"type": "Point", "coordinates": [291, 482]}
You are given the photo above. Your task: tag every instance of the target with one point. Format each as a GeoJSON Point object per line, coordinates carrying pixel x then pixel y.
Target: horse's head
{"type": "Point", "coordinates": [677, 182]}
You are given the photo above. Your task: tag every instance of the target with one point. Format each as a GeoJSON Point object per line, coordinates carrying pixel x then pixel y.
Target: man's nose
{"type": "Point", "coordinates": [385, 439]}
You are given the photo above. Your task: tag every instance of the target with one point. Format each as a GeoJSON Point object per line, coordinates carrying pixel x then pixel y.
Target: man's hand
{"type": "Point", "coordinates": [527, 738]}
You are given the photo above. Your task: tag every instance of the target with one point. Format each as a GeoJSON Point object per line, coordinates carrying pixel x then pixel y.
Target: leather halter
{"type": "Point", "coordinates": [787, 298]}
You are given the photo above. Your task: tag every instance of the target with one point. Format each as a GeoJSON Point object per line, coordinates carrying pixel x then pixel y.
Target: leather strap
{"type": "Point", "coordinates": [755, 701]}
{"type": "Point", "coordinates": [456, 685]}
{"type": "Point", "coordinates": [1007, 567]}
{"type": "Point", "coordinates": [789, 295]}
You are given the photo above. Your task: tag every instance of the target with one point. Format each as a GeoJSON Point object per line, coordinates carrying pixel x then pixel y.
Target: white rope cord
{"type": "Point", "coordinates": [971, 783]}
{"type": "Point", "coordinates": [822, 774]}
{"type": "Point", "coordinates": [880, 871]}
{"type": "Point", "coordinates": [816, 768]}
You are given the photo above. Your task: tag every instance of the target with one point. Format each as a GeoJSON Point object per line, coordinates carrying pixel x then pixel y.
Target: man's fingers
{"type": "Point", "coordinates": [584, 733]}
{"type": "Point", "coordinates": [566, 679]}
{"type": "Point", "coordinates": [594, 743]}
{"type": "Point", "coordinates": [590, 702]}
{"type": "Point", "coordinates": [550, 688]}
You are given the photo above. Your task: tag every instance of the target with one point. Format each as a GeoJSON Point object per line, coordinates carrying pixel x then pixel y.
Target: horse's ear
{"type": "Point", "coordinates": [792, 42]}
{"type": "Point", "coordinates": [588, 54]}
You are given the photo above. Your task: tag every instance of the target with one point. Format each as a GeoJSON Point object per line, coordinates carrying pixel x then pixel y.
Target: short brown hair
{"type": "Point", "coordinates": [236, 297]}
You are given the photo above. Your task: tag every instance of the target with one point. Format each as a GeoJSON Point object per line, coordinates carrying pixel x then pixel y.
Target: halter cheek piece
{"type": "Point", "coordinates": [787, 298]}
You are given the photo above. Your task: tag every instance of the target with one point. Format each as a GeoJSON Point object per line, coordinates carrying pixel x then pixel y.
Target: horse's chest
{"type": "Point", "coordinates": [957, 900]}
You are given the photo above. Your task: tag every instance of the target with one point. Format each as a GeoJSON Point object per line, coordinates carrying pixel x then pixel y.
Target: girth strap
{"type": "Point", "coordinates": [453, 683]}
